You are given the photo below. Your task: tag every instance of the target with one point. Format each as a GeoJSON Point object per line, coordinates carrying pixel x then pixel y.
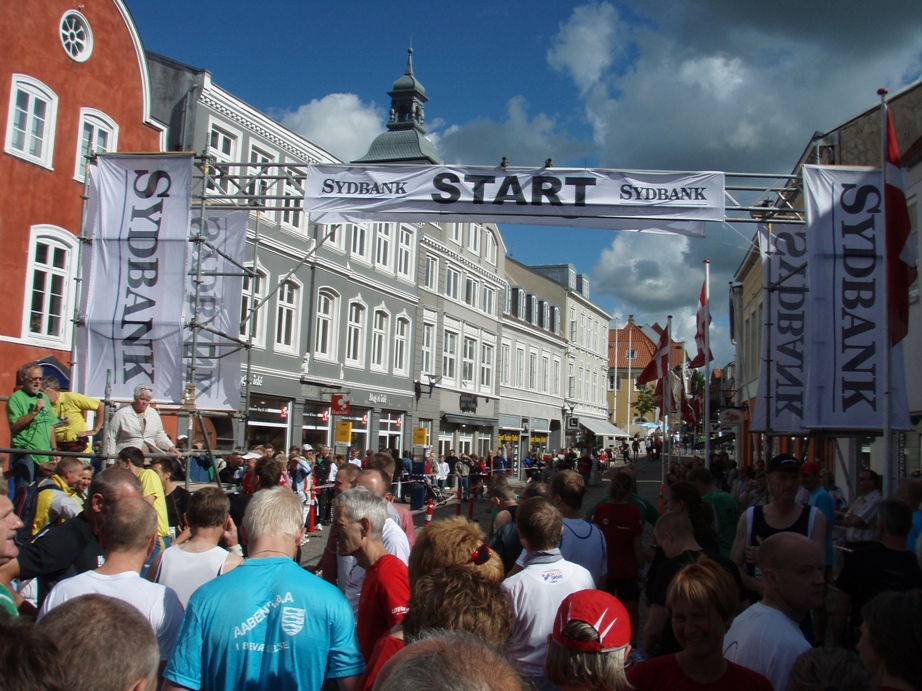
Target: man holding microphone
{"type": "Point", "coordinates": [31, 426]}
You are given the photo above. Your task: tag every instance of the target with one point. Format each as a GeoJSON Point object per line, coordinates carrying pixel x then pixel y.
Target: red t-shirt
{"type": "Point", "coordinates": [664, 673]}
{"type": "Point", "coordinates": [386, 647]}
{"type": "Point", "coordinates": [620, 524]}
{"type": "Point", "coordinates": [383, 602]}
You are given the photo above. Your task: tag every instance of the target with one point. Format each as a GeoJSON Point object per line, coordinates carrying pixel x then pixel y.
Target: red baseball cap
{"type": "Point", "coordinates": [810, 468]}
{"type": "Point", "coordinates": [601, 611]}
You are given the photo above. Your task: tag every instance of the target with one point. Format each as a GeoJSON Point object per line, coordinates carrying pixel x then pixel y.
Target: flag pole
{"type": "Point", "coordinates": [888, 479]}
{"type": "Point", "coordinates": [617, 378]}
{"type": "Point", "coordinates": [707, 364]}
{"type": "Point", "coordinates": [667, 401]}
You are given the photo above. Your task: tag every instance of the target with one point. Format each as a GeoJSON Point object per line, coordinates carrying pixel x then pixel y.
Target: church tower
{"type": "Point", "coordinates": [405, 140]}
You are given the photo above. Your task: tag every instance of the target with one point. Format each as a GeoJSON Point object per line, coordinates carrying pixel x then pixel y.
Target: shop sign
{"type": "Point", "coordinates": [420, 436]}
{"type": "Point", "coordinates": [255, 380]}
{"type": "Point", "coordinates": [468, 403]}
{"type": "Point", "coordinates": [508, 437]}
{"type": "Point", "coordinates": [340, 405]}
{"type": "Point", "coordinates": [377, 398]}
{"type": "Point", "coordinates": [539, 439]}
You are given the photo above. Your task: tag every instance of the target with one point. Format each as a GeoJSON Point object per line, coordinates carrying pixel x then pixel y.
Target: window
{"type": "Point", "coordinates": [325, 341]}
{"type": "Point", "coordinates": [504, 365]}
{"type": "Point", "coordinates": [382, 233]}
{"type": "Point", "coordinates": [543, 318]}
{"type": "Point", "coordinates": [571, 381]}
{"type": "Point", "coordinates": [520, 304]}
{"type": "Point", "coordinates": [332, 236]}
{"type": "Point", "coordinates": [533, 309]}
{"type": "Point", "coordinates": [286, 317]}
{"type": "Point", "coordinates": [532, 371]}
{"type": "Point", "coordinates": [486, 366]}
{"type": "Point", "coordinates": [545, 372]}
{"type": "Point", "coordinates": [260, 158]}
{"type": "Point", "coordinates": [631, 355]}
{"type": "Point", "coordinates": [49, 275]}
{"type": "Point", "coordinates": [473, 238]}
{"type": "Point", "coordinates": [520, 367]}
{"type": "Point", "coordinates": [555, 320]}
{"type": "Point", "coordinates": [468, 354]}
{"type": "Point", "coordinates": [355, 335]}
{"type": "Point", "coordinates": [253, 294]}
{"type": "Point", "coordinates": [405, 253]}
{"type": "Point", "coordinates": [222, 145]}
{"type": "Point", "coordinates": [556, 380]}
{"type": "Point", "coordinates": [291, 213]}
{"type": "Point", "coordinates": [432, 272]}
{"type": "Point", "coordinates": [579, 384]}
{"type": "Point", "coordinates": [488, 303]}
{"type": "Point", "coordinates": [31, 120]}
{"type": "Point", "coordinates": [507, 300]}
{"type": "Point", "coordinates": [76, 36]}
{"type": "Point", "coordinates": [456, 232]}
{"type": "Point", "coordinates": [360, 242]}
{"type": "Point", "coordinates": [380, 324]}
{"type": "Point", "coordinates": [489, 247]}
{"type": "Point", "coordinates": [401, 336]}
{"type": "Point", "coordinates": [573, 324]}
{"type": "Point", "coordinates": [595, 387]}
{"type": "Point", "coordinates": [426, 351]}
{"type": "Point", "coordinates": [470, 292]}
{"type": "Point", "coordinates": [452, 281]}
{"type": "Point", "coordinates": [449, 355]}
{"type": "Point", "coordinates": [98, 134]}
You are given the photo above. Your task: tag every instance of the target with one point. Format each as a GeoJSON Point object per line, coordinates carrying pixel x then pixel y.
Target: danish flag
{"type": "Point", "coordinates": [702, 323]}
{"type": "Point", "coordinates": [662, 361]}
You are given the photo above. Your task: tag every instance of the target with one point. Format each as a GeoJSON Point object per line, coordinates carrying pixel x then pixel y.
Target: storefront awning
{"type": "Point", "coordinates": [471, 420]}
{"type": "Point", "coordinates": [602, 427]}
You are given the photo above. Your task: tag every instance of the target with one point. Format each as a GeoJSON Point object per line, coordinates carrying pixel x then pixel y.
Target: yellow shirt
{"type": "Point", "coordinates": [151, 485]}
{"type": "Point", "coordinates": [54, 506]}
{"type": "Point", "coordinates": [71, 406]}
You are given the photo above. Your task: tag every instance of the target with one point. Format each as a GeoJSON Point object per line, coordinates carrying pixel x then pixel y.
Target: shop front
{"type": "Point", "coordinates": [269, 421]}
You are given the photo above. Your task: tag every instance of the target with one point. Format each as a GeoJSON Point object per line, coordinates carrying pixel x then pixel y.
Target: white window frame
{"type": "Point", "coordinates": [360, 243]}
{"type": "Point", "coordinates": [401, 345]}
{"type": "Point", "coordinates": [473, 237]}
{"type": "Point", "coordinates": [520, 368]}
{"type": "Point", "coordinates": [259, 154]}
{"type": "Point", "coordinates": [555, 380]}
{"type": "Point", "coordinates": [291, 215]}
{"type": "Point", "coordinates": [533, 304]}
{"type": "Point", "coordinates": [259, 334]}
{"type": "Point", "coordinates": [449, 356]}
{"type": "Point", "coordinates": [431, 278]}
{"type": "Point", "coordinates": [468, 361]}
{"type": "Point", "coordinates": [532, 371]}
{"type": "Point", "coordinates": [489, 250]}
{"type": "Point", "coordinates": [406, 248]}
{"type": "Point", "coordinates": [355, 333]}
{"type": "Point", "coordinates": [488, 301]}
{"type": "Point", "coordinates": [452, 282]}
{"type": "Point", "coordinates": [486, 367]}
{"type": "Point", "coordinates": [216, 184]}
{"type": "Point", "coordinates": [336, 233]}
{"type": "Point", "coordinates": [326, 323]}
{"type": "Point", "coordinates": [545, 372]}
{"type": "Point", "coordinates": [384, 258]}
{"type": "Point", "coordinates": [288, 312]}
{"type": "Point", "coordinates": [471, 290]}
{"type": "Point", "coordinates": [34, 89]}
{"type": "Point", "coordinates": [457, 231]}
{"type": "Point", "coordinates": [380, 335]}
{"type": "Point", "coordinates": [505, 363]}
{"type": "Point", "coordinates": [55, 238]}
{"type": "Point", "coordinates": [98, 121]}
{"type": "Point", "coordinates": [427, 350]}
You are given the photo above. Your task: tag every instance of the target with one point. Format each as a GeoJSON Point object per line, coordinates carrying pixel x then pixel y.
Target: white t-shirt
{"type": "Point", "coordinates": [350, 576]}
{"type": "Point", "coordinates": [160, 605]}
{"type": "Point", "coordinates": [534, 594]}
{"type": "Point", "coordinates": [767, 641]}
{"type": "Point", "coordinates": [185, 571]}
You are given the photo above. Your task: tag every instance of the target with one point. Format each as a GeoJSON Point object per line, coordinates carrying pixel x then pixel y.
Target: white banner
{"type": "Point", "coordinates": [217, 360]}
{"type": "Point", "coordinates": [779, 404]}
{"type": "Point", "coordinates": [138, 219]}
{"type": "Point", "coordinates": [679, 203]}
{"type": "Point", "coordinates": [845, 221]}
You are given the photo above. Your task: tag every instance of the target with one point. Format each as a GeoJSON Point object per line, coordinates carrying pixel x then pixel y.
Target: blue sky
{"type": "Point", "coordinates": [663, 85]}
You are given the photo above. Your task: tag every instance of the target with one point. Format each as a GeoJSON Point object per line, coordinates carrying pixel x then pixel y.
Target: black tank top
{"type": "Point", "coordinates": [759, 528]}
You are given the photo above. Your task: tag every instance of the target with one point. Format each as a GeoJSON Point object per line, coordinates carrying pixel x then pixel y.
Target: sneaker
{"type": "Point", "coordinates": [318, 528]}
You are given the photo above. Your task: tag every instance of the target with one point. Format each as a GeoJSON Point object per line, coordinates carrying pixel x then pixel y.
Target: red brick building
{"type": "Point", "coordinates": [72, 81]}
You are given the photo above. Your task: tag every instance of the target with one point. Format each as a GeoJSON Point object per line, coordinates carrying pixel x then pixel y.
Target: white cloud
{"type": "Point", "coordinates": [340, 123]}
{"type": "Point", "coordinates": [585, 44]}
{"type": "Point", "coordinates": [713, 73]}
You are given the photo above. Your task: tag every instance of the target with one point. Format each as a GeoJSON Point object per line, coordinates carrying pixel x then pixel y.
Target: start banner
{"type": "Point", "coordinates": [847, 276]}
{"type": "Point", "coordinates": [134, 266]}
{"type": "Point", "coordinates": [658, 202]}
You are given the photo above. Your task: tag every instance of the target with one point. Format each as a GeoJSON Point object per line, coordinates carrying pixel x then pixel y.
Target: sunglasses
{"type": "Point", "coordinates": [481, 555]}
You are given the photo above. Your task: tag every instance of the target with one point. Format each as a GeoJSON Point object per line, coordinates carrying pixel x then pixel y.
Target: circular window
{"type": "Point", "coordinates": [76, 36]}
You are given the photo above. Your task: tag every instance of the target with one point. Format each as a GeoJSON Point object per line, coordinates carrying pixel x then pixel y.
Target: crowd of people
{"type": "Point", "coordinates": [119, 579]}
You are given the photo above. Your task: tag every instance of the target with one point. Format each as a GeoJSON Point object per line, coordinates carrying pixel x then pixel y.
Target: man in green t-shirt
{"type": "Point", "coordinates": [9, 524]}
{"type": "Point", "coordinates": [725, 508]}
{"type": "Point", "coordinates": [31, 425]}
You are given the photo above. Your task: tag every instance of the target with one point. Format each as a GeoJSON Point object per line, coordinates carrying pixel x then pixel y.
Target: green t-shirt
{"type": "Point", "coordinates": [727, 517]}
{"type": "Point", "coordinates": [6, 602]}
{"type": "Point", "coordinates": [37, 434]}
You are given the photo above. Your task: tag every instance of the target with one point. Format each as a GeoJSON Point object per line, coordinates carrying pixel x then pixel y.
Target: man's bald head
{"type": "Point", "coordinates": [375, 480]}
{"type": "Point", "coordinates": [130, 525]}
{"type": "Point", "coordinates": [781, 550]}
{"type": "Point", "coordinates": [794, 572]}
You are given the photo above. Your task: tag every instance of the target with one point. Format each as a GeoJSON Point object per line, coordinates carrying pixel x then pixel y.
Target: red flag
{"type": "Point", "coordinates": [901, 260]}
{"type": "Point", "coordinates": [661, 363]}
{"type": "Point", "coordinates": [700, 329]}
